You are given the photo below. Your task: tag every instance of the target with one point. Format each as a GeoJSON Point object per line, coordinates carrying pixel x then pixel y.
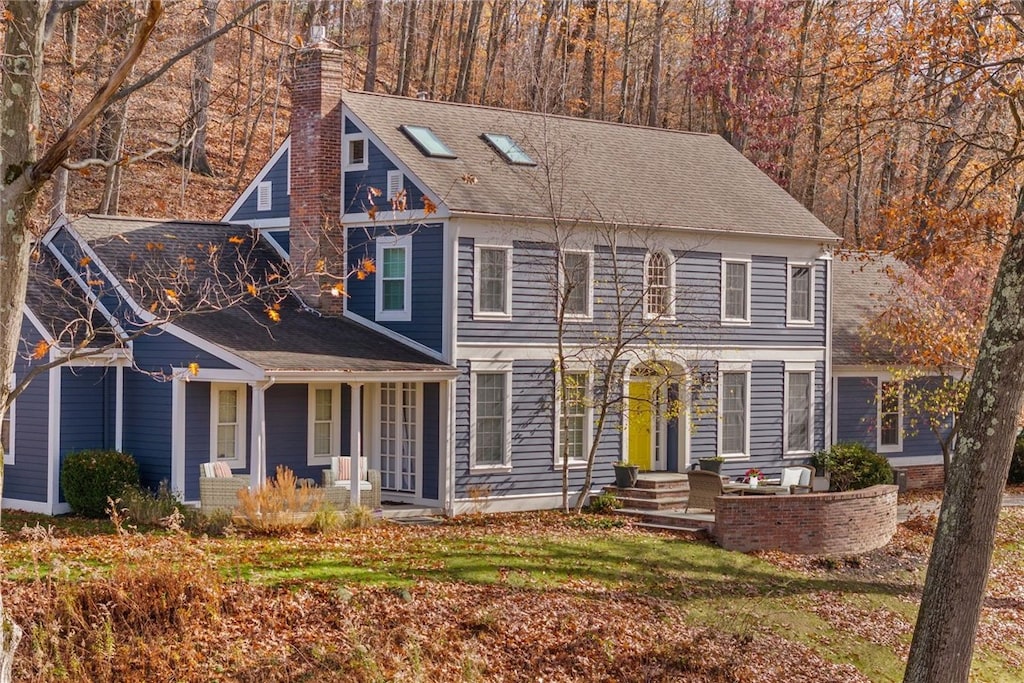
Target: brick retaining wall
{"type": "Point", "coordinates": [924, 477]}
{"type": "Point", "coordinates": [843, 523]}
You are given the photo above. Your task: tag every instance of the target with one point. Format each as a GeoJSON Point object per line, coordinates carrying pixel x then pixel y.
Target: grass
{"type": "Point", "coordinates": [855, 614]}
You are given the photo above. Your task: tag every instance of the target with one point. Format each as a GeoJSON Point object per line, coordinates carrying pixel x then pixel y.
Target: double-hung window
{"type": "Point", "coordinates": [227, 429]}
{"type": "Point", "coordinates": [394, 278]}
{"type": "Point", "coordinates": [492, 277]}
{"type": "Point", "coordinates": [799, 430]}
{"type": "Point", "coordinates": [574, 419]}
{"type": "Point", "coordinates": [890, 416]}
{"type": "Point", "coordinates": [734, 410]}
{"type": "Point", "coordinates": [577, 276]}
{"type": "Point", "coordinates": [324, 436]}
{"type": "Point", "coordinates": [735, 291]}
{"type": "Point", "coordinates": [658, 284]}
{"type": "Point", "coordinates": [491, 424]}
{"type": "Point", "coordinates": [800, 306]}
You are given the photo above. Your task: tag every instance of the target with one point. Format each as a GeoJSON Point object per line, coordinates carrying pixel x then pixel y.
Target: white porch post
{"type": "Point", "coordinates": [258, 438]}
{"type": "Point", "coordinates": [355, 440]}
{"type": "Point", "coordinates": [178, 428]}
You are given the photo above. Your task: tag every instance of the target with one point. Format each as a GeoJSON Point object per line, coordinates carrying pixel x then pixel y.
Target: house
{"type": "Point", "coordinates": [509, 250]}
{"type": "Point", "coordinates": [869, 405]}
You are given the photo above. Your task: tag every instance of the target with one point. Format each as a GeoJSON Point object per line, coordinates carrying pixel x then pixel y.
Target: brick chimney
{"type": "Point", "coordinates": [316, 244]}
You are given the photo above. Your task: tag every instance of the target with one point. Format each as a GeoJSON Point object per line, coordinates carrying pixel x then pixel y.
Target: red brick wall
{"type": "Point", "coordinates": [316, 129]}
{"type": "Point", "coordinates": [809, 524]}
{"type": "Point", "coordinates": [924, 477]}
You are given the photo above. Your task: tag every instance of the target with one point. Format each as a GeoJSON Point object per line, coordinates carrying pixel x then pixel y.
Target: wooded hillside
{"type": "Point", "coordinates": [884, 117]}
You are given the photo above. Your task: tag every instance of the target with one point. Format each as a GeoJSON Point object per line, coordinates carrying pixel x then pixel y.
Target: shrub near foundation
{"type": "Point", "coordinates": [853, 466]}
{"type": "Point", "coordinates": [90, 477]}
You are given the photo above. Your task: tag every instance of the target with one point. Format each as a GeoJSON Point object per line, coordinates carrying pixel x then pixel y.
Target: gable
{"type": "Point", "coordinates": [265, 202]}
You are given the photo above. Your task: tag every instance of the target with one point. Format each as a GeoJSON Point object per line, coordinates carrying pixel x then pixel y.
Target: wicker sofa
{"type": "Point", "coordinates": [336, 484]}
{"type": "Point", "coordinates": [220, 493]}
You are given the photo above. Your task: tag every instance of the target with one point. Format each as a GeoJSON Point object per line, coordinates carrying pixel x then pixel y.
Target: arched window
{"type": "Point", "coordinates": [658, 286]}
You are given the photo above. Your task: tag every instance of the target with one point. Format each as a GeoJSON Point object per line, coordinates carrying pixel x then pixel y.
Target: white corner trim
{"type": "Point", "coordinates": [178, 427]}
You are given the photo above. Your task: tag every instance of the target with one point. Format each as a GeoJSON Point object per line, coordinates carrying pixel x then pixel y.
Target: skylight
{"type": "Point", "coordinates": [427, 142]}
{"type": "Point", "coordinates": [509, 148]}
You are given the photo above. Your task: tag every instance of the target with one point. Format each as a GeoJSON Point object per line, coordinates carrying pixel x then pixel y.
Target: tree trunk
{"type": "Point", "coordinates": [61, 180]}
{"type": "Point", "coordinates": [372, 40]}
{"type": "Point", "coordinates": [958, 569]}
{"type": "Point", "coordinates": [590, 44]}
{"type": "Point", "coordinates": [537, 89]}
{"type": "Point", "coordinates": [654, 79]}
{"type": "Point", "coordinates": [193, 152]}
{"type": "Point", "coordinates": [468, 50]}
{"type": "Point", "coordinates": [405, 44]}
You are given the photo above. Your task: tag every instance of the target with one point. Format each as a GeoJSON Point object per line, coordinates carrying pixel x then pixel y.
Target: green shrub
{"type": "Point", "coordinates": [1016, 475]}
{"type": "Point", "coordinates": [146, 507]}
{"type": "Point", "coordinates": [606, 502]}
{"type": "Point", "coordinates": [853, 466]}
{"type": "Point", "coordinates": [90, 477]}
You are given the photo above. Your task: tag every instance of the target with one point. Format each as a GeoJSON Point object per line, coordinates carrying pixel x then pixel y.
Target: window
{"type": "Point", "coordinates": [801, 301]}
{"type": "Point", "coordinates": [324, 423]}
{"type": "Point", "coordinates": [736, 291]}
{"type": "Point", "coordinates": [490, 404]}
{"type": "Point", "coordinates": [890, 416]}
{"type": "Point", "coordinates": [509, 149]}
{"type": "Point", "coordinates": [399, 436]}
{"type": "Point", "coordinates": [427, 142]}
{"type": "Point", "coordinates": [263, 196]}
{"type": "Point", "coordinates": [356, 153]}
{"type": "Point", "coordinates": [577, 278]}
{"type": "Point", "coordinates": [493, 291]}
{"type": "Point", "coordinates": [658, 286]}
{"type": "Point", "coordinates": [574, 418]}
{"type": "Point", "coordinates": [734, 411]}
{"type": "Point", "coordinates": [394, 277]}
{"type": "Point", "coordinates": [227, 431]}
{"type": "Point", "coordinates": [396, 184]}
{"type": "Point", "coordinates": [799, 416]}
{"type": "Point", "coordinates": [7, 432]}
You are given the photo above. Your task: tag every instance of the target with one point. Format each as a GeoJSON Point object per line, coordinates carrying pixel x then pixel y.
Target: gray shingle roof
{"type": "Point", "coordinates": [600, 171]}
{"type": "Point", "coordinates": [56, 302]}
{"type": "Point", "coordinates": [301, 341]}
{"type": "Point", "coordinates": [861, 289]}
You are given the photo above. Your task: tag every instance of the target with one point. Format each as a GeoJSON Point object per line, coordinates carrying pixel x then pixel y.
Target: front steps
{"type": "Point", "coordinates": [658, 501]}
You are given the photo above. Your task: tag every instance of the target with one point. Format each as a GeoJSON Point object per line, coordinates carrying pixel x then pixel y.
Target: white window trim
{"type": "Point", "coordinates": [790, 320]}
{"type": "Point", "coordinates": [588, 418]}
{"type": "Point", "coordinates": [12, 429]}
{"type": "Point", "coordinates": [670, 265]}
{"type": "Point", "coordinates": [489, 367]}
{"type": "Point", "coordinates": [391, 242]}
{"type": "Point", "coordinates": [264, 190]}
{"type": "Point", "coordinates": [746, 261]}
{"type": "Point", "coordinates": [311, 457]}
{"type": "Point", "coordinates": [492, 315]}
{"type": "Point", "coordinates": [348, 163]}
{"type": "Point", "coordinates": [806, 368]}
{"type": "Point", "coordinates": [734, 367]}
{"type": "Point", "coordinates": [395, 184]}
{"type": "Point", "coordinates": [589, 283]}
{"type": "Point", "coordinates": [898, 446]}
{"type": "Point", "coordinates": [241, 429]}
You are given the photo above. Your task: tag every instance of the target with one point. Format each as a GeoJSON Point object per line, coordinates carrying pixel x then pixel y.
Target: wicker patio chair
{"type": "Point", "coordinates": [220, 493]}
{"type": "Point", "coordinates": [798, 478]}
{"type": "Point", "coordinates": [336, 485]}
{"type": "Point", "coordinates": [704, 487]}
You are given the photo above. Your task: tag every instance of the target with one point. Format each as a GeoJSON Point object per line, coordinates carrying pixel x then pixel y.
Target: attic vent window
{"type": "Point", "coordinates": [263, 196]}
{"type": "Point", "coordinates": [427, 142]}
{"type": "Point", "coordinates": [509, 148]}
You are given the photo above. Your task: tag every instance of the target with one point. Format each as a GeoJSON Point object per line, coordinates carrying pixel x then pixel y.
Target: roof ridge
{"type": "Point", "coordinates": [527, 112]}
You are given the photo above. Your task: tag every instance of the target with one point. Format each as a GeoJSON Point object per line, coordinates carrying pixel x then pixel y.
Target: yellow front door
{"type": "Point", "coordinates": [640, 424]}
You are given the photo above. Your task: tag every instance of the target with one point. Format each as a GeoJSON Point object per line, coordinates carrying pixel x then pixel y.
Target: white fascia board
{"type": "Point", "coordinates": [386, 151]}
{"type": "Point", "coordinates": [37, 324]}
{"type": "Point", "coordinates": [548, 351]}
{"type": "Point", "coordinates": [345, 377]}
{"type": "Point", "coordinates": [283, 149]}
{"type": "Point", "coordinates": [62, 222]}
{"type": "Point", "coordinates": [263, 223]}
{"type": "Point", "coordinates": [252, 370]}
{"type": "Point", "coordinates": [405, 341]}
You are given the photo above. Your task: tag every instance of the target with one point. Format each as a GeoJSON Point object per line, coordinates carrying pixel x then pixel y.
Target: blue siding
{"type": "Point", "coordinates": [162, 351]}
{"type": "Point", "coordinates": [432, 464]}
{"type": "Point", "coordinates": [618, 291]}
{"type": "Point", "coordinates": [427, 277]}
{"type": "Point", "coordinates": [857, 415]}
{"type": "Point", "coordinates": [358, 183]}
{"type": "Point", "coordinates": [197, 434]}
{"type": "Point", "coordinates": [533, 469]}
{"type": "Point", "coordinates": [282, 237]}
{"type": "Point", "coordinates": [279, 200]}
{"type": "Point", "coordinates": [287, 430]}
{"type": "Point", "coordinates": [85, 422]}
{"type": "Point", "coordinates": [26, 479]}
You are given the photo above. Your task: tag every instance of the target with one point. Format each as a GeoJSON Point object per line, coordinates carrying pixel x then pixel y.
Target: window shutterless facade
{"type": "Point", "coordinates": [324, 436]}
{"type": "Point", "coordinates": [890, 416]}
{"type": "Point", "coordinates": [490, 418]}
{"type": "Point", "coordinates": [577, 277]}
{"type": "Point", "coordinates": [801, 294]}
{"type": "Point", "coordinates": [356, 156]}
{"type": "Point", "coordinates": [492, 280]}
{"type": "Point", "coordinates": [734, 412]}
{"type": "Point", "coordinates": [574, 419]}
{"type": "Point", "coordinates": [394, 278]}
{"type": "Point", "coordinates": [799, 411]}
{"type": "Point", "coordinates": [227, 413]}
{"type": "Point", "coordinates": [736, 291]}
{"type": "Point", "coordinates": [658, 283]}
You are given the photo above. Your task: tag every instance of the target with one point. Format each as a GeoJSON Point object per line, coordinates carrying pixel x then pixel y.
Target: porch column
{"type": "Point", "coordinates": [355, 440]}
{"type": "Point", "coordinates": [258, 437]}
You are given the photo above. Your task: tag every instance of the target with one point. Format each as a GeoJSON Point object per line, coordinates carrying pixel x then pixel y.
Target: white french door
{"type": "Point", "coordinates": [399, 425]}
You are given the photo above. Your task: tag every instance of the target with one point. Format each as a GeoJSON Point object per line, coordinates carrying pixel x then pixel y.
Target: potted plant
{"type": "Point", "coordinates": [625, 474]}
{"type": "Point", "coordinates": [712, 464]}
{"type": "Point", "coordinates": [754, 475]}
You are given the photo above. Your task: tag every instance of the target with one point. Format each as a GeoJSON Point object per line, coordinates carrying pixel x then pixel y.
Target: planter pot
{"type": "Point", "coordinates": [625, 476]}
{"type": "Point", "coordinates": [711, 465]}
{"type": "Point", "coordinates": [753, 482]}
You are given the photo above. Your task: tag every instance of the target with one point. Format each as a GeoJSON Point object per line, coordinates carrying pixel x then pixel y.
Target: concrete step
{"type": "Point", "coordinates": [671, 527]}
{"type": "Point", "coordinates": [691, 522]}
{"type": "Point", "coordinates": [649, 494]}
{"type": "Point", "coordinates": [660, 480]}
{"type": "Point", "coordinates": [664, 503]}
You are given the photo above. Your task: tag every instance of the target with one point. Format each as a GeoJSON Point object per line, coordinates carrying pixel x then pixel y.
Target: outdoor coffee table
{"type": "Point", "coordinates": [746, 490]}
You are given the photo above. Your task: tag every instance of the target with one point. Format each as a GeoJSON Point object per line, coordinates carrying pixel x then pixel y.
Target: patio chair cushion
{"type": "Point", "coordinates": [214, 470]}
{"type": "Point", "coordinates": [797, 479]}
{"type": "Point", "coordinates": [341, 468]}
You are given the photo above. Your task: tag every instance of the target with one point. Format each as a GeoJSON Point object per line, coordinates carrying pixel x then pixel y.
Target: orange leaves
{"type": "Point", "coordinates": [154, 246]}
{"type": "Point", "coordinates": [337, 289]}
{"type": "Point", "coordinates": [41, 349]}
{"type": "Point", "coordinates": [429, 207]}
{"type": "Point", "coordinates": [235, 239]}
{"type": "Point", "coordinates": [372, 213]}
{"type": "Point", "coordinates": [273, 312]}
{"type": "Point", "coordinates": [84, 261]}
{"type": "Point", "coordinates": [171, 295]}
{"type": "Point", "coordinates": [251, 288]}
{"type": "Point", "coordinates": [368, 265]}
{"type": "Point", "coordinates": [193, 369]}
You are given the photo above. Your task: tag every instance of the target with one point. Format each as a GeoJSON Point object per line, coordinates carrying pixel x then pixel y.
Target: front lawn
{"type": "Point", "coordinates": [509, 597]}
